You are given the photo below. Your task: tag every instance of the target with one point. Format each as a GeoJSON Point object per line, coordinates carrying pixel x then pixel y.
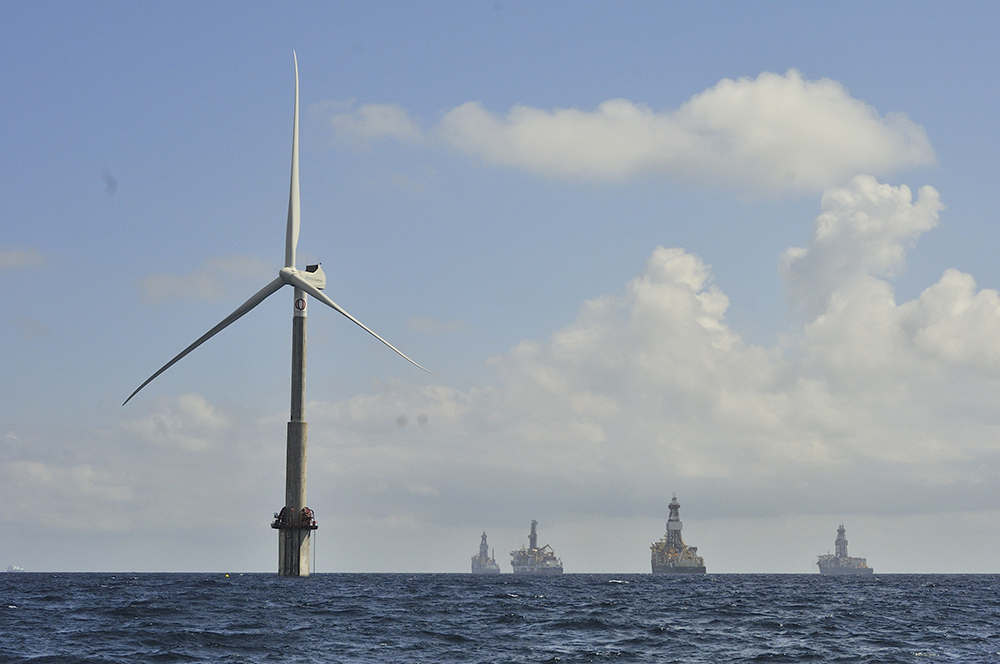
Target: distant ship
{"type": "Point", "coordinates": [484, 562]}
{"type": "Point", "coordinates": [670, 555]}
{"type": "Point", "coordinates": [533, 560]}
{"type": "Point", "coordinates": [840, 563]}
{"type": "Point", "coordinates": [14, 568]}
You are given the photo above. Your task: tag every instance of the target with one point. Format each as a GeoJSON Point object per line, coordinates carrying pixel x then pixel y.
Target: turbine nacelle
{"type": "Point", "coordinates": [313, 274]}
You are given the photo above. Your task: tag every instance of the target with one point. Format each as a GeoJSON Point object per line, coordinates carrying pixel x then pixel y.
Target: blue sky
{"type": "Point", "coordinates": [578, 215]}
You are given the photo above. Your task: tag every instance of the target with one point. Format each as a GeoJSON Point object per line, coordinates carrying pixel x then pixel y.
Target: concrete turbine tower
{"type": "Point", "coordinates": [295, 521]}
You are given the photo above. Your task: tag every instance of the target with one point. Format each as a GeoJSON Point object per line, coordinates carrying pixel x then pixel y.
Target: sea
{"type": "Point", "coordinates": [69, 618]}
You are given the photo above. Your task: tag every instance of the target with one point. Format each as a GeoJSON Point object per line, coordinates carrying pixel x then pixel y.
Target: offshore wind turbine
{"type": "Point", "coordinates": [295, 521]}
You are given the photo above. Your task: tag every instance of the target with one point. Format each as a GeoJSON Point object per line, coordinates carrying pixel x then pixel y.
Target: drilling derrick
{"type": "Point", "coordinates": [840, 544]}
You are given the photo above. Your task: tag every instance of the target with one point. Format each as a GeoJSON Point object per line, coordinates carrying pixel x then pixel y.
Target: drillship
{"type": "Point", "coordinates": [483, 563]}
{"type": "Point", "coordinates": [840, 563]}
{"type": "Point", "coordinates": [670, 555]}
{"type": "Point", "coordinates": [533, 560]}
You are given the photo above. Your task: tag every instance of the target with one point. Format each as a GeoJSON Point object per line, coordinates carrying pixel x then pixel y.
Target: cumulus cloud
{"type": "Point", "coordinates": [877, 407]}
{"type": "Point", "coordinates": [863, 233]}
{"type": "Point", "coordinates": [842, 281]}
{"type": "Point", "coordinates": [212, 281]}
{"type": "Point", "coordinates": [770, 134]}
{"type": "Point", "coordinates": [767, 135]}
{"type": "Point", "coordinates": [955, 322]}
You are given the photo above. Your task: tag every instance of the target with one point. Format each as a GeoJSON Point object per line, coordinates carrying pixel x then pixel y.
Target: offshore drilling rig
{"type": "Point", "coordinates": [841, 564]}
{"type": "Point", "coordinates": [484, 562]}
{"type": "Point", "coordinates": [670, 555]}
{"type": "Point", "coordinates": [535, 560]}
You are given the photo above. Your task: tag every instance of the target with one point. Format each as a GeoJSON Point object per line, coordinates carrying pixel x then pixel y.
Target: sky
{"type": "Point", "coordinates": [740, 253]}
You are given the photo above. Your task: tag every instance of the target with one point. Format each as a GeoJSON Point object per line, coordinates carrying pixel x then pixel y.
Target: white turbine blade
{"type": "Point", "coordinates": [292, 232]}
{"type": "Point", "coordinates": [259, 297]}
{"type": "Point", "coordinates": [299, 282]}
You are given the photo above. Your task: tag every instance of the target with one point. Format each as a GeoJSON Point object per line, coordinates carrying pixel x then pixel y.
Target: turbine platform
{"type": "Point", "coordinates": [294, 541]}
{"type": "Point", "coordinates": [284, 520]}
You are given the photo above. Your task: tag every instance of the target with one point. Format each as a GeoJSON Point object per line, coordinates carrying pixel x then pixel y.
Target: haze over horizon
{"type": "Point", "coordinates": [742, 255]}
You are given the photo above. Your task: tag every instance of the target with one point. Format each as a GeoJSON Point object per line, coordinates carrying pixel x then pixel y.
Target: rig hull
{"type": "Point", "coordinates": [538, 570]}
{"type": "Point", "coordinates": [834, 566]}
{"type": "Point", "coordinates": [674, 569]}
{"type": "Point", "coordinates": [848, 572]}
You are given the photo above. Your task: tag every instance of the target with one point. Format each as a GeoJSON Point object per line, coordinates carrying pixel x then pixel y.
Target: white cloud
{"type": "Point", "coordinates": [880, 411]}
{"type": "Point", "coordinates": [183, 472]}
{"type": "Point", "coordinates": [877, 408]}
{"type": "Point", "coordinates": [191, 423]}
{"type": "Point", "coordinates": [59, 495]}
{"type": "Point", "coordinates": [955, 322]}
{"type": "Point", "coordinates": [766, 135]}
{"type": "Point", "coordinates": [863, 232]}
{"type": "Point", "coordinates": [365, 122]}
{"type": "Point", "coordinates": [212, 281]}
{"type": "Point", "coordinates": [13, 259]}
